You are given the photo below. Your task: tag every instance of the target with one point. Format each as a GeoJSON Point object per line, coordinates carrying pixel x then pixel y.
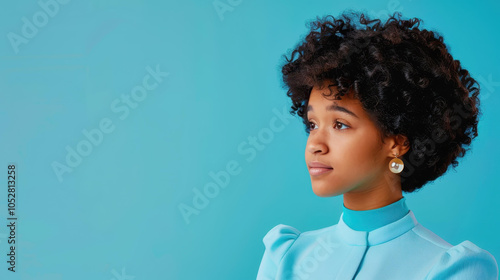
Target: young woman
{"type": "Point", "coordinates": [387, 109]}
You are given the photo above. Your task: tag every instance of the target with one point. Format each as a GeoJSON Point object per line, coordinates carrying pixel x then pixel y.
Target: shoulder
{"type": "Point", "coordinates": [465, 261]}
{"type": "Point", "coordinates": [431, 237]}
{"type": "Point", "coordinates": [279, 239]}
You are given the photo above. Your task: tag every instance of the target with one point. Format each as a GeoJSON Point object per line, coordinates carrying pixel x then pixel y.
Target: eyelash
{"type": "Point", "coordinates": [336, 122]}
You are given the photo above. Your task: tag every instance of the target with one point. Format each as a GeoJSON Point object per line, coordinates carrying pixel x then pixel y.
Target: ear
{"type": "Point", "coordinates": [399, 145]}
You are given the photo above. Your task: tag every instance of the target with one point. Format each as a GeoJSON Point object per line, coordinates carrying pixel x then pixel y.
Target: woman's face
{"type": "Point", "coordinates": [349, 143]}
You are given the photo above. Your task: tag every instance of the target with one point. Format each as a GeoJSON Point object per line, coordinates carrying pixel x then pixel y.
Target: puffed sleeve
{"type": "Point", "coordinates": [277, 241]}
{"type": "Point", "coordinates": [463, 262]}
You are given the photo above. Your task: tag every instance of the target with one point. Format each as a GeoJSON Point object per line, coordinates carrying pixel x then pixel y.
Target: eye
{"type": "Point", "coordinates": [341, 124]}
{"type": "Point", "coordinates": [338, 125]}
{"type": "Point", "coordinates": [310, 125]}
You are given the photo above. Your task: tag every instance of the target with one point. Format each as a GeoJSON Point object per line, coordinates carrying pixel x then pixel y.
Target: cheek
{"type": "Point", "coordinates": [359, 153]}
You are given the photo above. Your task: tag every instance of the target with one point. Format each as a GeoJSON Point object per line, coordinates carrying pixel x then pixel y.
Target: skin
{"type": "Point", "coordinates": [353, 147]}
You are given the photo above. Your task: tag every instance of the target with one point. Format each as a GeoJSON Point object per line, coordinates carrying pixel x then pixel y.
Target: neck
{"type": "Point", "coordinates": [377, 196]}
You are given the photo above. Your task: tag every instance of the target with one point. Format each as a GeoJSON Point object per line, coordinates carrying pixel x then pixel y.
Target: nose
{"type": "Point", "coordinates": [316, 144]}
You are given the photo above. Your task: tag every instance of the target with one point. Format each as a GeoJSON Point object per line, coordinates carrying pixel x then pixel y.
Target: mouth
{"type": "Point", "coordinates": [315, 171]}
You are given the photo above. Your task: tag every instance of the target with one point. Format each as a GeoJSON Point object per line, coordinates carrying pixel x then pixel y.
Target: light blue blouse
{"type": "Point", "coordinates": [383, 243]}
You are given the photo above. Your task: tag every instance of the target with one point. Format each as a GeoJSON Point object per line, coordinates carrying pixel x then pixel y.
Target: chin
{"type": "Point", "coordinates": [322, 192]}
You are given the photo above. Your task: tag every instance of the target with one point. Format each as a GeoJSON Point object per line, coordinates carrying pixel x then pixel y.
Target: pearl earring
{"type": "Point", "coordinates": [396, 165]}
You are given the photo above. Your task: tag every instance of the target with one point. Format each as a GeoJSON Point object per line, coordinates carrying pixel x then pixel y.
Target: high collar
{"type": "Point", "coordinates": [367, 220]}
{"type": "Point", "coordinates": [376, 226]}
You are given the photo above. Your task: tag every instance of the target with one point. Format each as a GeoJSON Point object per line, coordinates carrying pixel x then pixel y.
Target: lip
{"type": "Point", "coordinates": [318, 164]}
{"type": "Point", "coordinates": [318, 171]}
{"type": "Point", "coordinates": [318, 168]}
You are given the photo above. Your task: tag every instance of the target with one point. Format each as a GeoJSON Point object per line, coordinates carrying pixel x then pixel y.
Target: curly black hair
{"type": "Point", "coordinates": [404, 77]}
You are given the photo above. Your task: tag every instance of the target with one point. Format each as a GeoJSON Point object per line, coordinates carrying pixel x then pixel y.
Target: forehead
{"type": "Point", "coordinates": [319, 101]}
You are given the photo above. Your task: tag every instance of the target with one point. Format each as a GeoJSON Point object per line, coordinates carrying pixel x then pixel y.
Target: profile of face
{"type": "Point", "coordinates": [344, 138]}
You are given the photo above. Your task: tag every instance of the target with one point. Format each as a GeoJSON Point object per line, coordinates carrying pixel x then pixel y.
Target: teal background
{"type": "Point", "coordinates": [116, 215]}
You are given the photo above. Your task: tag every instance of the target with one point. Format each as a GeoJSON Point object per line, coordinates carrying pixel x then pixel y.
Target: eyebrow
{"type": "Point", "coordinates": [334, 107]}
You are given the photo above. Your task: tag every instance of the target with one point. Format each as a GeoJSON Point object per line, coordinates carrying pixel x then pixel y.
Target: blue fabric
{"type": "Point", "coordinates": [368, 220]}
{"type": "Point", "coordinates": [397, 249]}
